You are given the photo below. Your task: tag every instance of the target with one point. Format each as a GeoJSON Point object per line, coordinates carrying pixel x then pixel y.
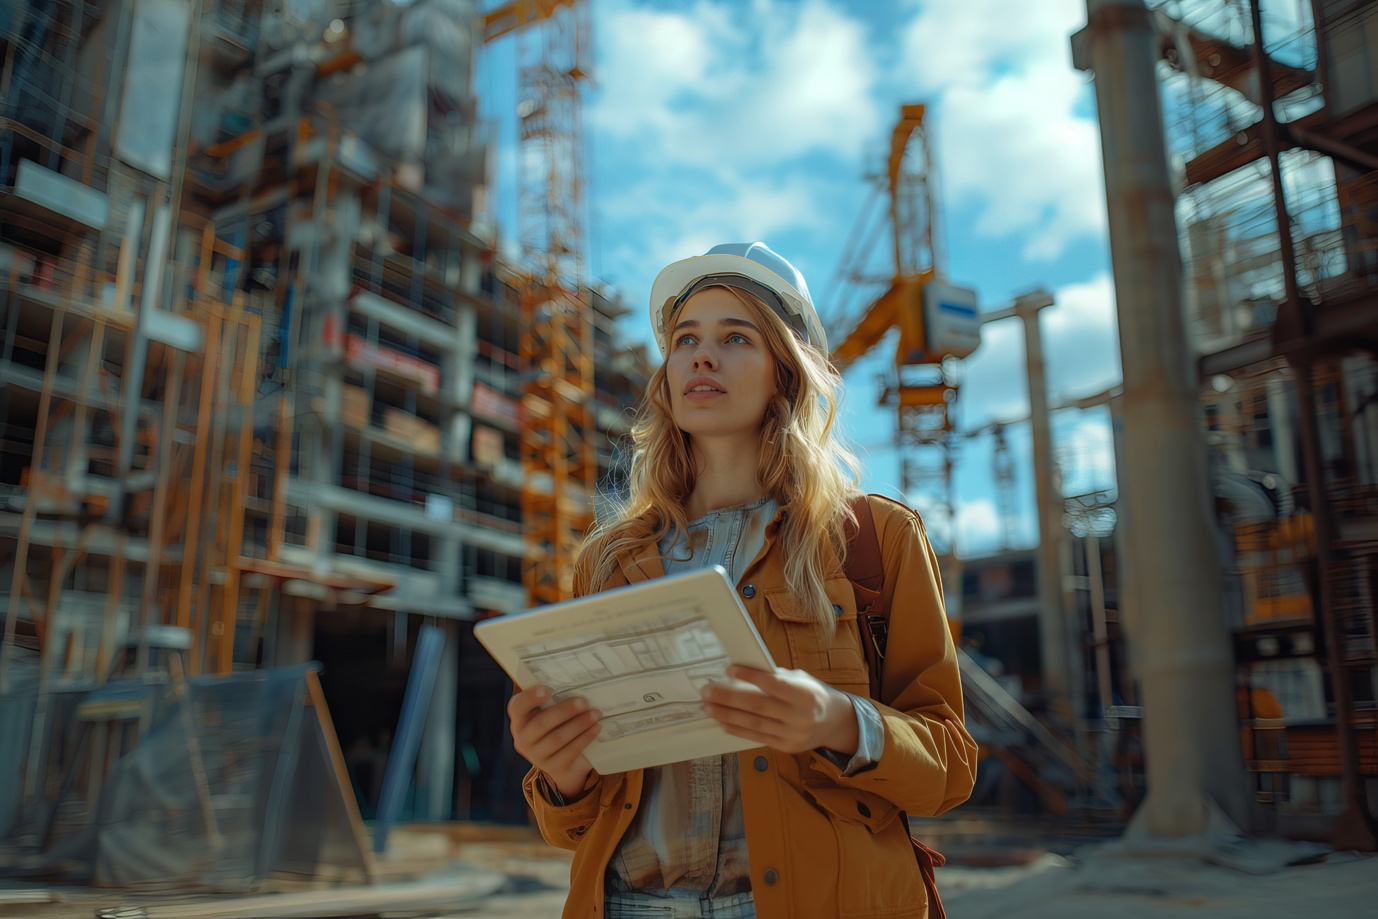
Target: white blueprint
{"type": "Point", "coordinates": [640, 655]}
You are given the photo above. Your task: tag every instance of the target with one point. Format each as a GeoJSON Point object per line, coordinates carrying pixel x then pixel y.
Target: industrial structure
{"type": "Point", "coordinates": [269, 391]}
{"type": "Point", "coordinates": [1244, 232]}
{"type": "Point", "coordinates": [1214, 614]}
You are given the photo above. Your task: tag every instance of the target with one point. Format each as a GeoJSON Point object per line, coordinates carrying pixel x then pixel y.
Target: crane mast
{"type": "Point", "coordinates": [559, 465]}
{"type": "Point", "coordinates": [923, 385]}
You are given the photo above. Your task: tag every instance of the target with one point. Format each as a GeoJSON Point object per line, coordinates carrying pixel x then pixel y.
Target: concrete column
{"type": "Point", "coordinates": [1059, 638]}
{"type": "Point", "coordinates": [435, 774]}
{"type": "Point", "coordinates": [1172, 599]}
{"type": "Point", "coordinates": [461, 382]}
{"type": "Point", "coordinates": [1105, 689]}
{"type": "Point", "coordinates": [155, 263]}
{"type": "Point", "coordinates": [332, 238]}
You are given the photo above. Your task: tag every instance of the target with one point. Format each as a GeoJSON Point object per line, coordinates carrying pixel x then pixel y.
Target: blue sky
{"type": "Point", "coordinates": [715, 121]}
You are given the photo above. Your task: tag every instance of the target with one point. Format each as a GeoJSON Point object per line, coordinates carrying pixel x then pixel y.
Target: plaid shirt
{"type": "Point", "coordinates": [688, 831]}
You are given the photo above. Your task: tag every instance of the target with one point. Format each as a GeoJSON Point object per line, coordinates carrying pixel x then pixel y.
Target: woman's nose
{"type": "Point", "coordinates": [704, 358]}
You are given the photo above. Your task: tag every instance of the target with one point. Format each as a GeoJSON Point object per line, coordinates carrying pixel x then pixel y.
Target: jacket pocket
{"type": "Point", "coordinates": [878, 872]}
{"type": "Point", "coordinates": [845, 804]}
{"type": "Point", "coordinates": [834, 658]}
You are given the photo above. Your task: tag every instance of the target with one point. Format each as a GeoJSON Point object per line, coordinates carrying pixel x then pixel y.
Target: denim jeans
{"type": "Point", "coordinates": [677, 904]}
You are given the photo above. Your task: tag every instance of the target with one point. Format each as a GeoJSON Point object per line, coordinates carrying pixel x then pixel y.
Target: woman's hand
{"type": "Point", "coordinates": [789, 710]}
{"type": "Point", "coordinates": [553, 739]}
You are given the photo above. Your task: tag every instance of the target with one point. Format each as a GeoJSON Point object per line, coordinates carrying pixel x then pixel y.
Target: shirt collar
{"type": "Point", "coordinates": [644, 564]}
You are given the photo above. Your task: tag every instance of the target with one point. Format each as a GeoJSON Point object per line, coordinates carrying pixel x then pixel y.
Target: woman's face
{"type": "Point", "coordinates": [719, 368]}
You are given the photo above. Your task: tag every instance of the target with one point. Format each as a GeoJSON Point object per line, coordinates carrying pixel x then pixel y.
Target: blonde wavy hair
{"type": "Point", "coordinates": [804, 466]}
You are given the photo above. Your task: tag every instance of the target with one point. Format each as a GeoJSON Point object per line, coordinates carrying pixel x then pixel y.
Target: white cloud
{"type": "Point", "coordinates": [1085, 449]}
{"type": "Point", "coordinates": [686, 217]}
{"type": "Point", "coordinates": [647, 61]}
{"type": "Point", "coordinates": [979, 529]}
{"type": "Point", "coordinates": [675, 219]}
{"type": "Point", "coordinates": [994, 385]}
{"type": "Point", "coordinates": [816, 91]}
{"type": "Point", "coordinates": [1081, 340]}
{"type": "Point", "coordinates": [1080, 348]}
{"type": "Point", "coordinates": [722, 121]}
{"type": "Point", "coordinates": [1009, 140]}
{"type": "Point", "coordinates": [721, 89]}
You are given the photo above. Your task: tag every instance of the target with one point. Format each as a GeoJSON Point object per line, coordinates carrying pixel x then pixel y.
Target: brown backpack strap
{"type": "Point", "coordinates": [864, 569]}
{"type": "Point", "coordinates": [863, 564]}
{"type": "Point", "coordinates": [928, 859]}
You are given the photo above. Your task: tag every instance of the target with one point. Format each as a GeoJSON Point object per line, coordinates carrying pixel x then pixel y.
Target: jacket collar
{"type": "Point", "coordinates": [832, 562]}
{"type": "Point", "coordinates": [641, 564]}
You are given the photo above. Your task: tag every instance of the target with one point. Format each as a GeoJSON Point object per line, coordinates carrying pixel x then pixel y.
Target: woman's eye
{"type": "Point", "coordinates": [684, 340]}
{"type": "Point", "coordinates": [737, 338]}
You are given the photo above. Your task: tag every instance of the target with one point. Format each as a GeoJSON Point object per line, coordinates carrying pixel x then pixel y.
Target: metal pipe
{"type": "Point", "coordinates": [1100, 630]}
{"type": "Point", "coordinates": [1354, 828]}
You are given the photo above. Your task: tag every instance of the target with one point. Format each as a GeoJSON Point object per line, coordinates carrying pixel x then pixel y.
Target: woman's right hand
{"type": "Point", "coordinates": [553, 739]}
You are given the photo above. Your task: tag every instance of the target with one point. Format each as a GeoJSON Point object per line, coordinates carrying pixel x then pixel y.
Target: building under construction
{"type": "Point", "coordinates": [1268, 183]}
{"type": "Point", "coordinates": [1270, 188]}
{"type": "Point", "coordinates": [273, 394]}
{"type": "Point", "coordinates": [1278, 135]}
{"type": "Point", "coordinates": [265, 378]}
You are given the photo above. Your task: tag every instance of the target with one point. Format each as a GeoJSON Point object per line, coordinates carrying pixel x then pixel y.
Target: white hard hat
{"type": "Point", "coordinates": [751, 267]}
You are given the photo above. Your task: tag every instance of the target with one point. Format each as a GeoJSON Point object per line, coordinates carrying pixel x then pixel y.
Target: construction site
{"type": "Point", "coordinates": [284, 412]}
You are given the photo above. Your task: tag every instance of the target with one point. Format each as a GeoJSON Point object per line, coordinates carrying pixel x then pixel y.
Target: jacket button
{"type": "Point", "coordinates": [837, 609]}
{"type": "Point", "coordinates": [862, 809]}
{"type": "Point", "coordinates": [760, 763]}
{"type": "Point", "coordinates": [771, 876]}
{"type": "Point", "coordinates": [749, 591]}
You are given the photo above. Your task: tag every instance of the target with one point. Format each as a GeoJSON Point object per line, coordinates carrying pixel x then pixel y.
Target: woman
{"type": "Point", "coordinates": [735, 463]}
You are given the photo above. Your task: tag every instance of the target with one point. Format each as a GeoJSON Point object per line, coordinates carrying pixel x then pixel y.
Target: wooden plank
{"type": "Point", "coordinates": [248, 376]}
{"type": "Point", "coordinates": [213, 489]}
{"type": "Point", "coordinates": [191, 549]}
{"type": "Point", "coordinates": [344, 901]}
{"type": "Point", "coordinates": [1315, 751]}
{"type": "Point", "coordinates": [12, 897]}
{"type": "Point", "coordinates": [153, 564]}
{"type": "Point", "coordinates": [282, 450]}
{"type": "Point", "coordinates": [332, 745]}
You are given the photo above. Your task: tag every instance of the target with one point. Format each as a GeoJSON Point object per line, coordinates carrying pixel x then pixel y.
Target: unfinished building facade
{"type": "Point", "coordinates": [259, 375]}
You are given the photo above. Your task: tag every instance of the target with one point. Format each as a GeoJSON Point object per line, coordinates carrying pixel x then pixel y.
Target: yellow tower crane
{"type": "Point", "coordinates": [936, 321]}
{"type": "Point", "coordinates": [559, 465]}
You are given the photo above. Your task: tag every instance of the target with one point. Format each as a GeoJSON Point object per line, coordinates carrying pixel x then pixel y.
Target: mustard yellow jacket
{"type": "Point", "coordinates": [819, 844]}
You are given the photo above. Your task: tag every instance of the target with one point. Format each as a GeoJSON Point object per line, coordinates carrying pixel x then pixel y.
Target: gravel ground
{"type": "Point", "coordinates": [1215, 877]}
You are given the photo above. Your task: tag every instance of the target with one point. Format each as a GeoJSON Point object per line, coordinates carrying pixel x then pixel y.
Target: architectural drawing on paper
{"type": "Point", "coordinates": [642, 677]}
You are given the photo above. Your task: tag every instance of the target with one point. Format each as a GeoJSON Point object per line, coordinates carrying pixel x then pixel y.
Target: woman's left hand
{"type": "Point", "coordinates": [789, 710]}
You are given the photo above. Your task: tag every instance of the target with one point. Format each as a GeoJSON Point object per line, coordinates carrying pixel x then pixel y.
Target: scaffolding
{"type": "Point", "coordinates": [128, 405]}
{"type": "Point", "coordinates": [1277, 216]}
{"type": "Point", "coordinates": [559, 462]}
{"type": "Point", "coordinates": [262, 372]}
